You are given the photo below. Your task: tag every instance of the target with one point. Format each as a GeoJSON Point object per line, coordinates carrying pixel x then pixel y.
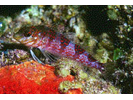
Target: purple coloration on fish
{"type": "Point", "coordinates": [48, 40]}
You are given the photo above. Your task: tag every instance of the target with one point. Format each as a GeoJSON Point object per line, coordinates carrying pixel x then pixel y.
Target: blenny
{"type": "Point", "coordinates": [55, 43]}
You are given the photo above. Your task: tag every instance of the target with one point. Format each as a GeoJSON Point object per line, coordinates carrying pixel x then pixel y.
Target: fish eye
{"type": "Point", "coordinates": [27, 34]}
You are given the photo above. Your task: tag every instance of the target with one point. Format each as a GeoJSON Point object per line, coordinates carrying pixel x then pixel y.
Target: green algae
{"type": "Point", "coordinates": [66, 85]}
{"type": "Point", "coordinates": [117, 54]}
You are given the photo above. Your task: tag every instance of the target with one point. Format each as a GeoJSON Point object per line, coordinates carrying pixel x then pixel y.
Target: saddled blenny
{"type": "Point", "coordinates": [51, 42]}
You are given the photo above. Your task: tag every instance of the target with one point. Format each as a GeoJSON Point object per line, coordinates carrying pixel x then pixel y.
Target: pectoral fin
{"type": "Point", "coordinates": [35, 57]}
{"type": "Point", "coordinates": [43, 56]}
{"type": "Point", "coordinates": [50, 56]}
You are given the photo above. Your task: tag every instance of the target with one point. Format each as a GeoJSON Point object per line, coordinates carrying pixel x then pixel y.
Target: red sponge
{"type": "Point", "coordinates": [31, 78]}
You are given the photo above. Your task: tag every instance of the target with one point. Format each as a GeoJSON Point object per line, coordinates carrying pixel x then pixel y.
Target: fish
{"type": "Point", "coordinates": [47, 39]}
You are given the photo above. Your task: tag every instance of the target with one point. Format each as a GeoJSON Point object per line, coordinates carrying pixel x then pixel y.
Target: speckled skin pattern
{"type": "Point", "coordinates": [46, 39]}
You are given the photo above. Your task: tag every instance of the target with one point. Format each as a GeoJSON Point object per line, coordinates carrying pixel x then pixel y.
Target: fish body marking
{"type": "Point", "coordinates": [46, 39]}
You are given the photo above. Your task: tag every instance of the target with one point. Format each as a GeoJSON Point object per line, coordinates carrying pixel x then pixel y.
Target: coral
{"type": "Point", "coordinates": [99, 86]}
{"type": "Point", "coordinates": [104, 31]}
{"type": "Point", "coordinates": [122, 41]}
{"type": "Point", "coordinates": [15, 56]}
{"type": "Point", "coordinates": [91, 83]}
{"type": "Point", "coordinates": [31, 77]}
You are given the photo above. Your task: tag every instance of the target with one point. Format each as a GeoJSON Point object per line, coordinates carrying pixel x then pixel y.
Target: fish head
{"type": "Point", "coordinates": [22, 35]}
{"type": "Point", "coordinates": [28, 35]}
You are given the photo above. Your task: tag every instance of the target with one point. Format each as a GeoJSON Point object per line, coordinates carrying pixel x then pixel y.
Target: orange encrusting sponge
{"type": "Point", "coordinates": [31, 78]}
